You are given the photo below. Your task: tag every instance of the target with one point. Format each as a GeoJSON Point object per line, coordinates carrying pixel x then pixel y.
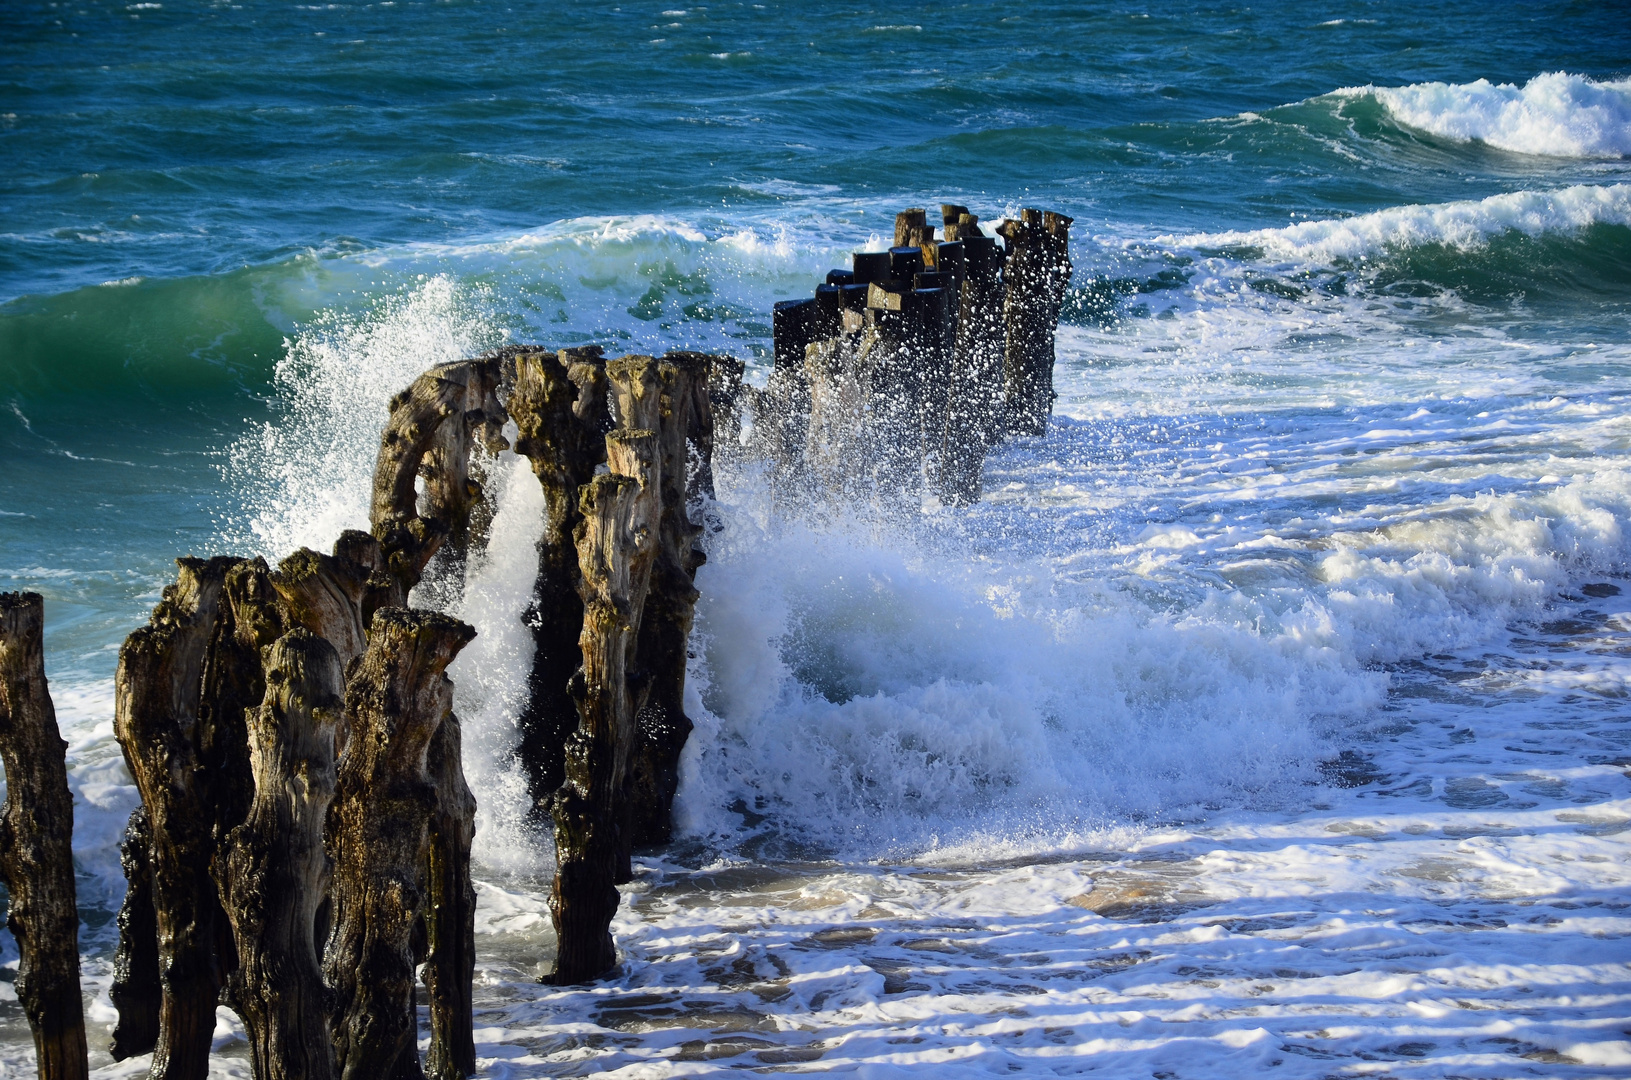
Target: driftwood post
{"type": "Point", "coordinates": [560, 409]}
{"type": "Point", "coordinates": [1035, 276]}
{"type": "Point", "coordinates": [450, 919]}
{"type": "Point", "coordinates": [273, 873]}
{"type": "Point", "coordinates": [617, 545]}
{"type": "Point", "coordinates": [156, 719]}
{"type": "Point", "coordinates": [36, 833]}
{"type": "Point", "coordinates": [378, 835]}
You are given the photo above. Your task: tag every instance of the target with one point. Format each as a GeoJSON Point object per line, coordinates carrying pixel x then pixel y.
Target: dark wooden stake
{"type": "Point", "coordinates": [36, 851]}
{"type": "Point", "coordinates": [975, 410]}
{"type": "Point", "coordinates": [617, 544]}
{"type": "Point", "coordinates": [378, 835]}
{"type": "Point", "coordinates": [136, 989]}
{"type": "Point", "coordinates": [273, 873]}
{"type": "Point", "coordinates": [335, 596]}
{"type": "Point", "coordinates": [1035, 276]}
{"type": "Point", "coordinates": [450, 919]}
{"type": "Point", "coordinates": [560, 409]}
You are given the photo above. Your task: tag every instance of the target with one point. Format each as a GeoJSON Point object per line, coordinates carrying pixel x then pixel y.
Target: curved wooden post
{"type": "Point", "coordinates": [378, 834]}
{"type": "Point", "coordinates": [36, 849]}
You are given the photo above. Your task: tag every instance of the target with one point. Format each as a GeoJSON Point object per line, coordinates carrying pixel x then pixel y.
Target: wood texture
{"type": "Point", "coordinates": [273, 872]}
{"type": "Point", "coordinates": [36, 853]}
{"type": "Point", "coordinates": [561, 413]}
{"type": "Point", "coordinates": [378, 835]}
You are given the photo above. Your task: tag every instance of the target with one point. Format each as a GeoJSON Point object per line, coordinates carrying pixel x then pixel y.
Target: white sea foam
{"type": "Point", "coordinates": [1553, 115]}
{"type": "Point", "coordinates": [308, 475]}
{"type": "Point", "coordinates": [1464, 225]}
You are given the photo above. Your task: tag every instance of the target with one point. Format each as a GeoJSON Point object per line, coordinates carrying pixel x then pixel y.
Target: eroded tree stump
{"type": "Point", "coordinates": [560, 408]}
{"type": "Point", "coordinates": [335, 596]}
{"type": "Point", "coordinates": [36, 850]}
{"type": "Point", "coordinates": [378, 835]}
{"type": "Point", "coordinates": [617, 545]}
{"type": "Point", "coordinates": [273, 872]}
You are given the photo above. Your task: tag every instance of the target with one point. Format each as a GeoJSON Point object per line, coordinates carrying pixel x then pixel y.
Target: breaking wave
{"type": "Point", "coordinates": [1552, 115]}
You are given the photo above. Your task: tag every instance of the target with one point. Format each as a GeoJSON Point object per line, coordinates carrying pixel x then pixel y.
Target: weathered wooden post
{"type": "Point", "coordinates": [450, 919]}
{"type": "Point", "coordinates": [335, 596]}
{"type": "Point", "coordinates": [1035, 276]}
{"type": "Point", "coordinates": [684, 427]}
{"type": "Point", "coordinates": [36, 851]}
{"type": "Point", "coordinates": [561, 412]}
{"type": "Point", "coordinates": [378, 835]}
{"type": "Point", "coordinates": [617, 545]}
{"type": "Point", "coordinates": [974, 414]}
{"type": "Point", "coordinates": [273, 873]}
{"type": "Point", "coordinates": [156, 719]}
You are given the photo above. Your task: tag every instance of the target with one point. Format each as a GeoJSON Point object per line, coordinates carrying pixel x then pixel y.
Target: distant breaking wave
{"type": "Point", "coordinates": [1552, 115]}
{"type": "Point", "coordinates": [1465, 225]}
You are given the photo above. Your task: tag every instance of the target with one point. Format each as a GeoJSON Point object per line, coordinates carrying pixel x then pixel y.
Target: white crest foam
{"type": "Point", "coordinates": [1552, 115]}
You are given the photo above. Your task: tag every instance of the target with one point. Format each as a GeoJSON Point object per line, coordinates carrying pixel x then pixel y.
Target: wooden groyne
{"type": "Point", "coordinates": [898, 375]}
{"type": "Point", "coordinates": [302, 847]}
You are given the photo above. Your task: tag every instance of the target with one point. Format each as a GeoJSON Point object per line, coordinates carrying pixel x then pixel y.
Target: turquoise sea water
{"type": "Point", "coordinates": [1341, 432]}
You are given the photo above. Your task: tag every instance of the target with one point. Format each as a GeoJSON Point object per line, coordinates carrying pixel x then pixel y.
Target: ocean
{"type": "Point", "coordinates": [1268, 713]}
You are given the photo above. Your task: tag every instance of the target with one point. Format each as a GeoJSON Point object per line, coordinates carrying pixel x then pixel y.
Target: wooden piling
{"type": "Point", "coordinates": [1035, 275]}
{"type": "Point", "coordinates": [272, 871]}
{"type": "Point", "coordinates": [560, 408]}
{"type": "Point", "coordinates": [378, 834]}
{"type": "Point", "coordinates": [36, 850]}
{"type": "Point", "coordinates": [617, 545]}
{"type": "Point", "coordinates": [450, 917]}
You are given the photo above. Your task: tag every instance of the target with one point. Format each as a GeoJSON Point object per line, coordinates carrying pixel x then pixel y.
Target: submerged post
{"type": "Point", "coordinates": [273, 873]}
{"type": "Point", "coordinates": [36, 851]}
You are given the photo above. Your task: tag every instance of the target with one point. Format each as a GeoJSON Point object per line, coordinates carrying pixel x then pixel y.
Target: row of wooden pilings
{"type": "Point", "coordinates": [898, 375]}
{"type": "Point", "coordinates": [304, 836]}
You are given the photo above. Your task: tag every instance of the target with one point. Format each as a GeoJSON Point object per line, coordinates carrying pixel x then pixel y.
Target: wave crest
{"type": "Point", "coordinates": [1552, 115]}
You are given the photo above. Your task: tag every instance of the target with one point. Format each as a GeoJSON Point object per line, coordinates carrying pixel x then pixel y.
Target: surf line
{"type": "Point", "coordinates": [304, 835]}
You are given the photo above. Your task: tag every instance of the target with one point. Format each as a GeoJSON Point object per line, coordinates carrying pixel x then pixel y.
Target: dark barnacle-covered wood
{"type": "Point", "coordinates": [450, 918]}
{"type": "Point", "coordinates": [617, 544]}
{"type": "Point", "coordinates": [36, 833]}
{"type": "Point", "coordinates": [560, 410]}
{"type": "Point", "coordinates": [378, 836]}
{"type": "Point", "coordinates": [1035, 276]}
{"type": "Point", "coordinates": [249, 618]}
{"type": "Point", "coordinates": [135, 991]}
{"type": "Point", "coordinates": [684, 426]}
{"type": "Point", "coordinates": [156, 719]}
{"type": "Point", "coordinates": [335, 596]}
{"type": "Point", "coordinates": [273, 872]}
